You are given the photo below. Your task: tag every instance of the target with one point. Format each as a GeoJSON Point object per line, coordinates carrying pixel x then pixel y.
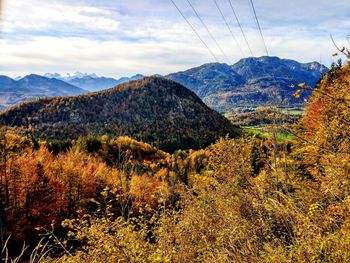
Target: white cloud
{"type": "Point", "coordinates": [113, 58]}
{"type": "Point", "coordinates": [118, 38]}
{"type": "Point", "coordinates": [51, 15]}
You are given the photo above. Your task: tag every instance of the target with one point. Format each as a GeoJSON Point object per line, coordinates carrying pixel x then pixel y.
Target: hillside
{"type": "Point", "coordinates": [212, 78]}
{"type": "Point", "coordinates": [327, 117]}
{"type": "Point", "coordinates": [153, 110]}
{"type": "Point", "coordinates": [250, 82]}
{"type": "Point", "coordinates": [33, 86]}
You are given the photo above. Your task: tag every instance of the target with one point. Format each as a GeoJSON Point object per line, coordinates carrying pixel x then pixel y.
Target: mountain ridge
{"type": "Point", "coordinates": [33, 86]}
{"type": "Point", "coordinates": [254, 81]}
{"type": "Point", "coordinates": [251, 82]}
{"type": "Point", "coordinates": [92, 82]}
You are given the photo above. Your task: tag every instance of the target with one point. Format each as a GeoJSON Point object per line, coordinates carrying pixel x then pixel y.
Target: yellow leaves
{"type": "Point", "coordinates": [313, 208]}
{"type": "Point", "coordinates": [297, 94]}
{"type": "Point", "coordinates": [148, 190]}
{"type": "Point", "coordinates": [344, 161]}
{"type": "Point", "coordinates": [202, 181]}
{"type": "Point", "coordinates": [158, 256]}
{"type": "Point", "coordinates": [347, 200]}
{"type": "Point", "coordinates": [105, 192]}
{"type": "Point", "coordinates": [162, 173]}
{"type": "Point", "coordinates": [70, 234]}
{"type": "Point", "coordinates": [141, 210]}
{"type": "Point", "coordinates": [302, 86]}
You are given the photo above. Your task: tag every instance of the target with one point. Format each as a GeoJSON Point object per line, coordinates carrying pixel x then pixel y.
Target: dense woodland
{"type": "Point", "coordinates": [154, 110]}
{"type": "Point", "coordinates": [114, 199]}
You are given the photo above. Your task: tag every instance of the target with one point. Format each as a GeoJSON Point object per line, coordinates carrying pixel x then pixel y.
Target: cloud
{"type": "Point", "coordinates": [118, 38]}
{"type": "Point", "coordinates": [113, 58]}
{"type": "Point", "coordinates": [34, 15]}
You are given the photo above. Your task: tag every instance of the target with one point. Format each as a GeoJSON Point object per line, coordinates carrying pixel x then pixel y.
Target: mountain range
{"type": "Point", "coordinates": [92, 82]}
{"type": "Point", "coordinates": [31, 87]}
{"type": "Point", "coordinates": [154, 110]}
{"type": "Point", "coordinates": [250, 82]}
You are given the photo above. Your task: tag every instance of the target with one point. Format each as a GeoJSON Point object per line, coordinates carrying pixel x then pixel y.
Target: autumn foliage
{"type": "Point", "coordinates": [114, 199]}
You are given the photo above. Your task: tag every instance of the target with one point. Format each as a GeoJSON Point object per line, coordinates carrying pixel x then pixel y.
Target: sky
{"type": "Point", "coordinates": [118, 38]}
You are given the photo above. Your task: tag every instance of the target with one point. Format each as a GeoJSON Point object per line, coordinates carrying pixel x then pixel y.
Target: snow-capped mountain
{"type": "Point", "coordinates": [91, 82]}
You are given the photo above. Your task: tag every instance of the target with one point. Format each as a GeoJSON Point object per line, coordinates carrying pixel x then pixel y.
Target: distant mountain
{"type": "Point", "coordinates": [209, 79]}
{"type": "Point", "coordinates": [92, 82]}
{"type": "Point", "coordinates": [253, 68]}
{"type": "Point", "coordinates": [13, 91]}
{"type": "Point", "coordinates": [33, 86]}
{"type": "Point", "coordinates": [154, 110]}
{"type": "Point", "coordinates": [250, 82]}
{"type": "Point", "coordinates": [6, 83]}
{"type": "Point", "coordinates": [127, 79]}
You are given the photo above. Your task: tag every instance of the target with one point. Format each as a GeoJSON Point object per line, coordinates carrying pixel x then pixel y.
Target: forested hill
{"type": "Point", "coordinates": [152, 109]}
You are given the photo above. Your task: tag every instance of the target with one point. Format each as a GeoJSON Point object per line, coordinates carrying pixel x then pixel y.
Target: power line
{"type": "Point", "coordinates": [258, 24]}
{"type": "Point", "coordinates": [229, 28]}
{"type": "Point", "coordinates": [210, 34]}
{"type": "Point", "coordinates": [195, 31]}
{"type": "Point", "coordinates": [240, 26]}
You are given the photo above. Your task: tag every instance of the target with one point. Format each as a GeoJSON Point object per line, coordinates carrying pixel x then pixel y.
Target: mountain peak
{"type": "Point", "coordinates": [52, 75]}
{"type": "Point", "coordinates": [83, 75]}
{"type": "Point", "coordinates": [69, 76]}
{"type": "Point", "coordinates": [91, 82]}
{"type": "Point", "coordinates": [33, 76]}
{"type": "Point", "coordinates": [137, 76]}
{"type": "Point", "coordinates": [155, 82]}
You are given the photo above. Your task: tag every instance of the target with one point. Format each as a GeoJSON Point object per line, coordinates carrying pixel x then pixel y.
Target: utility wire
{"type": "Point", "coordinates": [229, 28]}
{"type": "Point", "coordinates": [258, 24]}
{"type": "Point", "coordinates": [210, 34]}
{"type": "Point", "coordinates": [195, 31]}
{"type": "Point", "coordinates": [240, 26]}
{"type": "Point", "coordinates": [277, 123]}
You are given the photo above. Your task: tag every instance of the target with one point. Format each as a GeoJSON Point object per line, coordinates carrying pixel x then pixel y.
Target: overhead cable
{"type": "Point", "coordinates": [228, 26]}
{"type": "Point", "coordinates": [240, 26]}
{"type": "Point", "coordinates": [209, 33]}
{"type": "Point", "coordinates": [195, 31]}
{"type": "Point", "coordinates": [258, 25]}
